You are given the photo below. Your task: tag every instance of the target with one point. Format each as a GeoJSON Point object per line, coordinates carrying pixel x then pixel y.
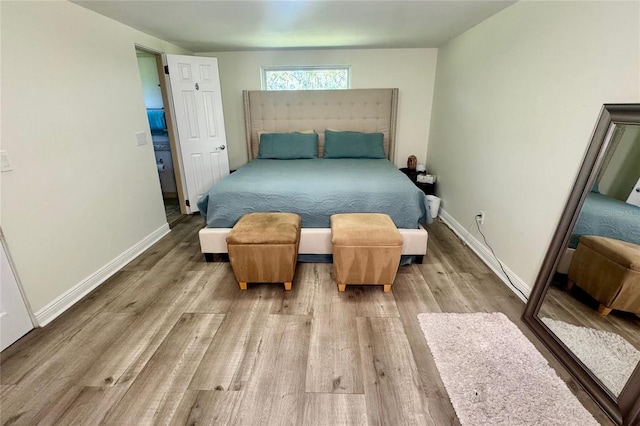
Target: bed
{"type": "Point", "coordinates": [606, 217]}
{"type": "Point", "coordinates": [315, 188]}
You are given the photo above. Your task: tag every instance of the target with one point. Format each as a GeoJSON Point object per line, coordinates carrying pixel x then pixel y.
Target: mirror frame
{"type": "Point", "coordinates": [625, 409]}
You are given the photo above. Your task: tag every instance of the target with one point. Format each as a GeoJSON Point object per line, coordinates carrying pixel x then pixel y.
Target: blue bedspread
{"type": "Point", "coordinates": [315, 189]}
{"type": "Point", "coordinates": [607, 217]}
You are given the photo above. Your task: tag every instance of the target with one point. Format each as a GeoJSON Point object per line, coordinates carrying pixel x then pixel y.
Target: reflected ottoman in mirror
{"type": "Point", "coordinates": [585, 305]}
{"type": "Point", "coordinates": [609, 270]}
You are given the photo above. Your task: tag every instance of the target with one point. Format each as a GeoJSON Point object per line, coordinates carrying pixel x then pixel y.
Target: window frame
{"type": "Point", "coordinates": [265, 69]}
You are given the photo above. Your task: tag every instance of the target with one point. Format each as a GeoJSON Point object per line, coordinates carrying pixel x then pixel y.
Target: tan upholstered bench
{"type": "Point", "coordinates": [609, 270]}
{"type": "Point", "coordinates": [263, 247]}
{"type": "Point", "coordinates": [366, 249]}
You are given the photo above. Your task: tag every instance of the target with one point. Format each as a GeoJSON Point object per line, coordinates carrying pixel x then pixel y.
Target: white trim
{"type": "Point", "coordinates": [63, 302]}
{"type": "Point", "coordinates": [487, 257]}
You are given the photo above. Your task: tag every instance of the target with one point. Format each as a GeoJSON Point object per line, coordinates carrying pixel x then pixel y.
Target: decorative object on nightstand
{"type": "Point", "coordinates": [412, 162]}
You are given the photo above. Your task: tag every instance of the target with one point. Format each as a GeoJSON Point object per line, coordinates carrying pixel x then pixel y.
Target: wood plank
{"type": "Point", "coordinates": [372, 301]}
{"type": "Point", "coordinates": [448, 292]}
{"type": "Point", "coordinates": [127, 356]}
{"type": "Point", "coordinates": [159, 287]}
{"type": "Point", "coordinates": [206, 408]}
{"type": "Point", "coordinates": [218, 292]}
{"type": "Point", "coordinates": [83, 405]}
{"type": "Point", "coordinates": [414, 297]}
{"type": "Point", "coordinates": [168, 372]}
{"type": "Point", "coordinates": [334, 409]}
{"type": "Point", "coordinates": [186, 230]}
{"type": "Point", "coordinates": [36, 347]}
{"type": "Point", "coordinates": [39, 391]}
{"type": "Point", "coordinates": [576, 307]}
{"type": "Point", "coordinates": [445, 246]}
{"type": "Point", "coordinates": [334, 354]}
{"type": "Point", "coordinates": [393, 394]}
{"type": "Point", "coordinates": [230, 360]}
{"type": "Point", "coordinates": [299, 301]}
{"type": "Point", "coordinates": [326, 291]}
{"type": "Point", "coordinates": [274, 393]}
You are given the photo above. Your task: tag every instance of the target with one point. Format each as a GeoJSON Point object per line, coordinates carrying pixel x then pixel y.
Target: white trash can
{"type": "Point", "coordinates": [434, 205]}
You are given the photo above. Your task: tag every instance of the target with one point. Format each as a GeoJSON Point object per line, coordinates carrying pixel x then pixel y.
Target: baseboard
{"type": "Point", "coordinates": [77, 292]}
{"type": "Point", "coordinates": [519, 287]}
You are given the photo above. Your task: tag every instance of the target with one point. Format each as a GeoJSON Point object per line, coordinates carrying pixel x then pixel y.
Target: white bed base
{"type": "Point", "coordinates": [565, 261]}
{"type": "Point", "coordinates": [312, 241]}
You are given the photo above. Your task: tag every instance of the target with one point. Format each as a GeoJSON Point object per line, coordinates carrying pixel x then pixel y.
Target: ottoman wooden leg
{"type": "Point", "coordinates": [243, 285]}
{"type": "Point", "coordinates": [387, 288]}
{"type": "Point", "coordinates": [342, 287]}
{"type": "Point", "coordinates": [603, 310]}
{"type": "Point", "coordinates": [570, 285]}
{"type": "Point", "coordinates": [287, 286]}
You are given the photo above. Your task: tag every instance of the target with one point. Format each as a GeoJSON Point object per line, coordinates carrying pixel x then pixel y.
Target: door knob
{"type": "Point", "coordinates": [222, 147]}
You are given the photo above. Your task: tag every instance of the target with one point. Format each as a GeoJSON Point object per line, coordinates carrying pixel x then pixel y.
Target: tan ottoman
{"type": "Point", "coordinates": [366, 249]}
{"type": "Point", "coordinates": [609, 270]}
{"type": "Point", "coordinates": [263, 247]}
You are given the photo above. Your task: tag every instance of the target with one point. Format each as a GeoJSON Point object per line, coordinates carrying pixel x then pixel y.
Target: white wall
{"type": "Point", "coordinates": [81, 192]}
{"type": "Point", "coordinates": [150, 82]}
{"type": "Point", "coordinates": [410, 70]}
{"type": "Point", "coordinates": [623, 170]}
{"type": "Point", "coordinates": [516, 100]}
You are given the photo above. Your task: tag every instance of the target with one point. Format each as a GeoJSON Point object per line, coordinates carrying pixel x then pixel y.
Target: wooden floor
{"type": "Point", "coordinates": [578, 308]}
{"type": "Point", "coordinates": [171, 339]}
{"type": "Point", "coordinates": [172, 211]}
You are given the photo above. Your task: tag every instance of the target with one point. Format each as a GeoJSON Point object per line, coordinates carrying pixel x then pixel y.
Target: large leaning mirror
{"type": "Point", "coordinates": [585, 304]}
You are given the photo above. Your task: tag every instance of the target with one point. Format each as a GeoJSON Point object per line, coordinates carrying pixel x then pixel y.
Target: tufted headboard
{"type": "Point", "coordinates": [363, 110]}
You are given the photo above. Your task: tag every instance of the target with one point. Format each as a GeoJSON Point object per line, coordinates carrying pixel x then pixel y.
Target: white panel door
{"type": "Point", "coordinates": [14, 318]}
{"type": "Point", "coordinates": [634, 197]}
{"type": "Point", "coordinates": [197, 104]}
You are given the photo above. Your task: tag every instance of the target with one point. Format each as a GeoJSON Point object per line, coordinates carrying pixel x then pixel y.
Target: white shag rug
{"type": "Point", "coordinates": [608, 355]}
{"type": "Point", "coordinates": [495, 376]}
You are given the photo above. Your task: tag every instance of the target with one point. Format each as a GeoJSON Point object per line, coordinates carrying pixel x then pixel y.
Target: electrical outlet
{"type": "Point", "coordinates": [480, 217]}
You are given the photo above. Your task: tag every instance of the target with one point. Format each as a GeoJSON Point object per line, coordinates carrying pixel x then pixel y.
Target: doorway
{"type": "Point", "coordinates": [149, 65]}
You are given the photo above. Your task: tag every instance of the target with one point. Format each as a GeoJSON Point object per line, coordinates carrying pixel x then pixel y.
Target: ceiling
{"type": "Point", "coordinates": [213, 26]}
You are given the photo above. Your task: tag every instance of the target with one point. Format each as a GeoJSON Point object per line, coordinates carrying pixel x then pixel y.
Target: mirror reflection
{"type": "Point", "coordinates": [593, 303]}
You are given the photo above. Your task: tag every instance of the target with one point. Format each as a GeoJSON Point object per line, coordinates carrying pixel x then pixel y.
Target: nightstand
{"type": "Point", "coordinates": [427, 188]}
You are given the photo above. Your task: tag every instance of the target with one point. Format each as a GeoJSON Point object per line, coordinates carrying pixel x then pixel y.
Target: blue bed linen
{"type": "Point", "coordinates": [315, 189]}
{"type": "Point", "coordinates": [607, 217]}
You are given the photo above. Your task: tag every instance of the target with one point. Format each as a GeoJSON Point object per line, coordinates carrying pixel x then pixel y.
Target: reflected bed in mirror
{"type": "Point", "coordinates": [585, 305]}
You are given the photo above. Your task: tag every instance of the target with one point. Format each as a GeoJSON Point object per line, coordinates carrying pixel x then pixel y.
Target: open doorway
{"type": "Point", "coordinates": [149, 65]}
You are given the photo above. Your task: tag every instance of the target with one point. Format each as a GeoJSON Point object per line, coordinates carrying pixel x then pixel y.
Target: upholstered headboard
{"type": "Point", "coordinates": [363, 110]}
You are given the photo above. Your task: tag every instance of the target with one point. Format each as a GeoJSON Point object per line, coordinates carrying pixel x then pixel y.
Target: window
{"type": "Point", "coordinates": [306, 78]}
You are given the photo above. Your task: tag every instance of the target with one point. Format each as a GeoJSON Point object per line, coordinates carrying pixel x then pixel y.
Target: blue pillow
{"type": "Point", "coordinates": [288, 146]}
{"type": "Point", "coordinates": [353, 145]}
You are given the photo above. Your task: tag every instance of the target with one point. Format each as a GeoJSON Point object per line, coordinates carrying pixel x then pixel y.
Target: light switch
{"type": "Point", "coordinates": [4, 161]}
{"type": "Point", "coordinates": [141, 138]}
